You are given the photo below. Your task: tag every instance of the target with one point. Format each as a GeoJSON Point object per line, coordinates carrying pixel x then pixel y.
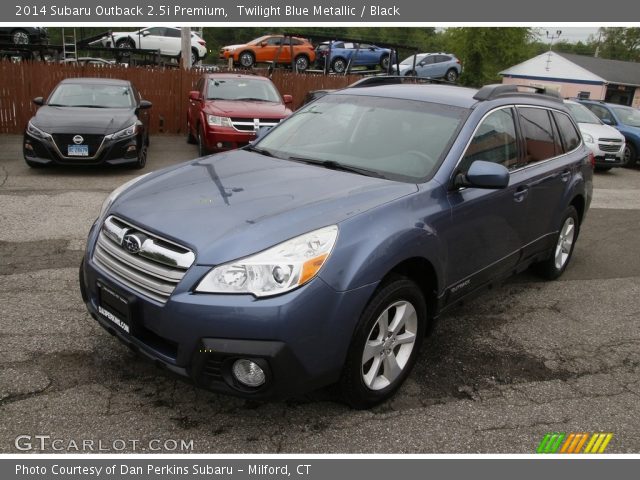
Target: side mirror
{"type": "Point", "coordinates": [483, 174]}
{"type": "Point", "coordinates": [38, 101]}
{"type": "Point", "coordinates": [608, 121]}
{"type": "Point", "coordinates": [194, 95]}
{"type": "Point", "coordinates": [263, 44]}
{"type": "Point", "coordinates": [145, 33]}
{"type": "Point", "coordinates": [145, 104]}
{"type": "Point", "coordinates": [288, 99]}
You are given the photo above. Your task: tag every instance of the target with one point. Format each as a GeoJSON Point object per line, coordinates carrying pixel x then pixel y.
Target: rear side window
{"type": "Point", "coordinates": [568, 132]}
{"type": "Point", "coordinates": [537, 131]}
{"type": "Point", "coordinates": [494, 141]}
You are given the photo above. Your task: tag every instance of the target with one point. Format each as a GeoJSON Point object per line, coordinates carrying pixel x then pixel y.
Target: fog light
{"type": "Point", "coordinates": [219, 145]}
{"type": "Point", "coordinates": [131, 148]}
{"type": "Point", "coordinates": [248, 373]}
{"type": "Point", "coordinates": [28, 146]}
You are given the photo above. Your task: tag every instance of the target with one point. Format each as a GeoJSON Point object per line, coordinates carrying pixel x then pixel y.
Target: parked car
{"type": "Point", "coordinates": [322, 252]}
{"type": "Point", "coordinates": [626, 120]}
{"type": "Point", "coordinates": [606, 143]}
{"type": "Point", "coordinates": [271, 48]}
{"type": "Point", "coordinates": [431, 65]}
{"type": "Point", "coordinates": [167, 40]}
{"type": "Point", "coordinates": [89, 121]}
{"type": "Point", "coordinates": [341, 54]}
{"type": "Point", "coordinates": [226, 110]}
{"type": "Point", "coordinates": [24, 35]}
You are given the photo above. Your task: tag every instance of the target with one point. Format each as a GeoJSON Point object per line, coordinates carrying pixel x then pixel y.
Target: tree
{"type": "Point", "coordinates": [619, 43]}
{"type": "Point", "coordinates": [484, 52]}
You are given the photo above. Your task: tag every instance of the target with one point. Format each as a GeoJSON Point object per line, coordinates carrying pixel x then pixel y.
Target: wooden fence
{"type": "Point", "coordinates": [166, 88]}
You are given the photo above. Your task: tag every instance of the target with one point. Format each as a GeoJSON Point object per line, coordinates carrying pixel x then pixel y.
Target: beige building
{"type": "Point", "coordinates": [581, 76]}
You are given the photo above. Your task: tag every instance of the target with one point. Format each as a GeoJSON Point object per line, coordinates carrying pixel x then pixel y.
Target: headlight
{"type": "Point", "coordinates": [219, 121]}
{"type": "Point", "coordinates": [276, 270]}
{"type": "Point", "coordinates": [124, 133]}
{"type": "Point", "coordinates": [36, 132]}
{"type": "Point", "coordinates": [116, 193]}
{"type": "Point", "coordinates": [587, 138]}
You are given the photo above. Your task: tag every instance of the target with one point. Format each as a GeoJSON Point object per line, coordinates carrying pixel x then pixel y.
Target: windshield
{"type": "Point", "coordinates": [242, 89]}
{"type": "Point", "coordinates": [259, 40]}
{"type": "Point", "coordinates": [91, 96]}
{"type": "Point", "coordinates": [393, 138]}
{"type": "Point", "coordinates": [582, 114]}
{"type": "Point", "coordinates": [628, 116]}
{"type": "Point", "coordinates": [409, 60]}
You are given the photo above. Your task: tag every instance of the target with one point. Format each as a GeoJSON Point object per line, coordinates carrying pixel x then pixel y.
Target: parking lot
{"type": "Point", "coordinates": [497, 374]}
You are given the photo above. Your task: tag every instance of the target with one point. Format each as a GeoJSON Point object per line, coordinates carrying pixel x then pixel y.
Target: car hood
{"type": "Point", "coordinates": [234, 204]}
{"type": "Point", "coordinates": [83, 120]}
{"type": "Point", "coordinates": [229, 108]}
{"type": "Point", "coordinates": [600, 131]}
{"type": "Point", "coordinates": [233, 47]}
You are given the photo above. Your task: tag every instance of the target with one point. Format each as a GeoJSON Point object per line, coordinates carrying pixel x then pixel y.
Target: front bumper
{"type": "Point", "coordinates": [606, 155]}
{"type": "Point", "coordinates": [113, 152]}
{"type": "Point", "coordinates": [300, 338]}
{"type": "Point", "coordinates": [220, 139]}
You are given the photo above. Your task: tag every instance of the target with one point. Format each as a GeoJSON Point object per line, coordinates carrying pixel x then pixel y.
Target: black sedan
{"type": "Point", "coordinates": [89, 121]}
{"type": "Point", "coordinates": [23, 35]}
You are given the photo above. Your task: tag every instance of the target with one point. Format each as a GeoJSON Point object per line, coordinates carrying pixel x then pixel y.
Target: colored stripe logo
{"type": "Point", "coordinates": [574, 443]}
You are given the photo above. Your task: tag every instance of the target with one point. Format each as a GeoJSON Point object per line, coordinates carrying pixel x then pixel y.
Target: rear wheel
{"type": "Point", "coordinates": [125, 43]}
{"type": "Point", "coordinates": [557, 263]}
{"type": "Point", "coordinates": [385, 344]}
{"type": "Point", "coordinates": [451, 75]}
{"type": "Point", "coordinates": [629, 156]}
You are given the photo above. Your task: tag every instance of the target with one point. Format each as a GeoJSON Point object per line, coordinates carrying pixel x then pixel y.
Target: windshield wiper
{"type": "Point", "coordinates": [261, 151]}
{"type": "Point", "coordinates": [253, 99]}
{"type": "Point", "coordinates": [89, 106]}
{"type": "Point", "coordinates": [333, 165]}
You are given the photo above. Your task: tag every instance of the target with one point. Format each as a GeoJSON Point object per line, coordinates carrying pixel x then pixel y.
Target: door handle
{"type": "Point", "coordinates": [564, 176]}
{"type": "Point", "coordinates": [521, 193]}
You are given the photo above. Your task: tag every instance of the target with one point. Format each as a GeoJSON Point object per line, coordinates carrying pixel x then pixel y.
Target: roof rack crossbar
{"type": "Point", "coordinates": [489, 92]}
{"type": "Point", "coordinates": [395, 79]}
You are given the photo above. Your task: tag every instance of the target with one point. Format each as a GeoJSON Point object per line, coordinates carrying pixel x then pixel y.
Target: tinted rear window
{"type": "Point", "coordinates": [538, 134]}
{"type": "Point", "coordinates": [568, 132]}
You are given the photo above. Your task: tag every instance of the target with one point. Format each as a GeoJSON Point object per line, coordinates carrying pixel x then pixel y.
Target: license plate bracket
{"type": "Point", "coordinates": [116, 308]}
{"type": "Point", "coordinates": [78, 150]}
{"type": "Point", "coordinates": [609, 157]}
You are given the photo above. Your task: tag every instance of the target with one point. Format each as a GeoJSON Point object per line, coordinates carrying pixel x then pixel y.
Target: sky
{"type": "Point", "coordinates": [569, 34]}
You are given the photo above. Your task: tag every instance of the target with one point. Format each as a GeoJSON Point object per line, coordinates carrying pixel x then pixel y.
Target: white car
{"type": "Point", "coordinates": [606, 143]}
{"type": "Point", "coordinates": [168, 40]}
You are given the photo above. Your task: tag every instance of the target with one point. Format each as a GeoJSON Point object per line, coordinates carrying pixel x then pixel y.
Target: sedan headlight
{"type": "Point", "coordinates": [214, 120]}
{"type": "Point", "coordinates": [279, 269]}
{"type": "Point", "coordinates": [116, 193]}
{"type": "Point", "coordinates": [124, 133]}
{"type": "Point", "coordinates": [587, 138]}
{"type": "Point", "coordinates": [36, 132]}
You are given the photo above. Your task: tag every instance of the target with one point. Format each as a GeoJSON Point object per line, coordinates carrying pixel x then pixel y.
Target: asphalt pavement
{"type": "Point", "coordinates": [528, 358]}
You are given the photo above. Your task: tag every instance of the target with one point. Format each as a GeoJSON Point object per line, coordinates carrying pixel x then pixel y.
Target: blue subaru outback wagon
{"type": "Point", "coordinates": [321, 253]}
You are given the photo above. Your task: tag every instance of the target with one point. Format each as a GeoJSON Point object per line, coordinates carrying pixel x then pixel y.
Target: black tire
{"type": "Point", "coordinates": [302, 63]}
{"type": "Point", "coordinates": [384, 62]}
{"type": "Point", "coordinates": [451, 75]}
{"type": "Point", "coordinates": [125, 43]}
{"type": "Point", "coordinates": [352, 385]}
{"type": "Point", "coordinates": [246, 59]}
{"type": "Point", "coordinates": [190, 137]}
{"type": "Point", "coordinates": [202, 148]}
{"type": "Point", "coordinates": [20, 37]}
{"type": "Point", "coordinates": [194, 57]}
{"type": "Point", "coordinates": [142, 156]}
{"type": "Point", "coordinates": [339, 65]}
{"type": "Point", "coordinates": [629, 156]}
{"type": "Point", "coordinates": [551, 268]}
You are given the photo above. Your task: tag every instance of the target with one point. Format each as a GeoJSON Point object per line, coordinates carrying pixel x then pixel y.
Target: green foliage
{"type": "Point", "coordinates": [620, 43]}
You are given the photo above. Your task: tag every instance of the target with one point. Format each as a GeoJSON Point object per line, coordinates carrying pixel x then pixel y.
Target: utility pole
{"type": "Point", "coordinates": [552, 37]}
{"type": "Point", "coordinates": [185, 57]}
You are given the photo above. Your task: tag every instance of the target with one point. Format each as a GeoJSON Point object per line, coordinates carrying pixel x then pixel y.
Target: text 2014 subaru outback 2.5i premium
{"type": "Point", "coordinates": [321, 253]}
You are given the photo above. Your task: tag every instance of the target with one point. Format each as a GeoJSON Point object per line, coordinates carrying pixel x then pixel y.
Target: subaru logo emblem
{"type": "Point", "coordinates": [78, 139]}
{"type": "Point", "coordinates": [132, 243]}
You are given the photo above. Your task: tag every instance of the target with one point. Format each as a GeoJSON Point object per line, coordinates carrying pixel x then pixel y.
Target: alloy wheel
{"type": "Point", "coordinates": [565, 242]}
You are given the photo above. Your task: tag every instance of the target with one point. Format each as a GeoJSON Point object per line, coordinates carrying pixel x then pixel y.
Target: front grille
{"type": "Point", "coordinates": [612, 140]}
{"type": "Point", "coordinates": [609, 148]}
{"type": "Point", "coordinates": [63, 140]}
{"type": "Point", "coordinates": [253, 124]}
{"type": "Point", "coordinates": [153, 271]}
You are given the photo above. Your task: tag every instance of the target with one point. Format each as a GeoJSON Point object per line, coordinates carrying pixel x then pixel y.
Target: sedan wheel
{"type": "Point", "coordinates": [246, 59]}
{"type": "Point", "coordinates": [20, 37]}
{"type": "Point", "coordinates": [142, 156]}
{"type": "Point", "coordinates": [385, 344]}
{"type": "Point", "coordinates": [384, 62]}
{"type": "Point", "coordinates": [339, 65]}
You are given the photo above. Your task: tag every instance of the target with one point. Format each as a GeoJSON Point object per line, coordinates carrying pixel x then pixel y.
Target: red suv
{"type": "Point", "coordinates": [227, 110]}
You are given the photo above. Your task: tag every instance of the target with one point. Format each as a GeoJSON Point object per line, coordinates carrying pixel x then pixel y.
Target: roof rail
{"type": "Point", "coordinates": [395, 80]}
{"type": "Point", "coordinates": [489, 92]}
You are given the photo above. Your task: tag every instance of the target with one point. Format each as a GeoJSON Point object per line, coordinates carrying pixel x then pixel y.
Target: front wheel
{"type": "Point", "coordinates": [246, 59]}
{"type": "Point", "coordinates": [557, 263]}
{"type": "Point", "coordinates": [202, 147]}
{"type": "Point", "coordinates": [385, 344]}
{"type": "Point", "coordinates": [384, 62]}
{"type": "Point", "coordinates": [629, 156]}
{"type": "Point", "coordinates": [20, 37]}
{"type": "Point", "coordinates": [142, 155]}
